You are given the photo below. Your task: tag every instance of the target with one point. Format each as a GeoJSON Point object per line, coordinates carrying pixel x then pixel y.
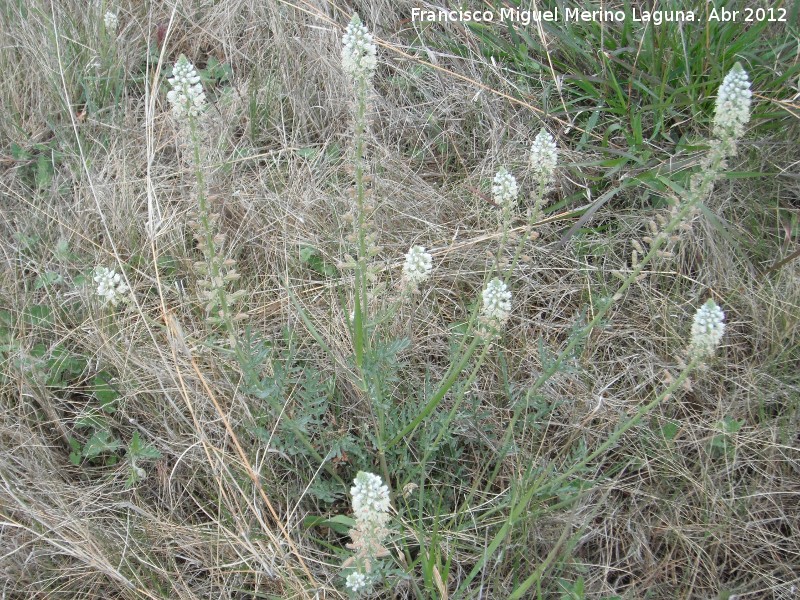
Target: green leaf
{"type": "Point", "coordinates": [75, 454]}
{"type": "Point", "coordinates": [44, 171]}
{"type": "Point", "coordinates": [136, 449]}
{"type": "Point", "coordinates": [669, 430]}
{"type": "Point", "coordinates": [102, 442]}
{"type": "Point", "coordinates": [312, 258]}
{"type": "Point", "coordinates": [104, 393]}
{"type": "Point", "coordinates": [340, 523]}
{"type": "Point", "coordinates": [731, 425]}
{"type": "Point", "coordinates": [308, 153]}
{"type": "Point", "coordinates": [47, 279]}
{"type": "Point", "coordinates": [19, 153]}
{"type": "Point", "coordinates": [93, 421]}
{"type": "Point", "coordinates": [39, 314]}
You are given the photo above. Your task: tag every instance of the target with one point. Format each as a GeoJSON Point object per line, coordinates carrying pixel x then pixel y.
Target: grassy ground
{"type": "Point", "coordinates": [143, 458]}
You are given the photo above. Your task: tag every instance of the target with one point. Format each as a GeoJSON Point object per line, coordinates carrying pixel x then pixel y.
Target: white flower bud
{"type": "Point", "coordinates": [370, 497]}
{"type": "Point", "coordinates": [110, 20]}
{"type": "Point", "coordinates": [356, 582]}
{"type": "Point", "coordinates": [110, 286]}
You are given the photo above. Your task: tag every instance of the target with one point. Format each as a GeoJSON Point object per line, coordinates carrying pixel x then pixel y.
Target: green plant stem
{"type": "Point", "coordinates": [361, 342]}
{"type": "Point", "coordinates": [506, 225]}
{"type": "Point", "coordinates": [537, 206]}
{"type": "Point", "coordinates": [457, 402]}
{"type": "Point", "coordinates": [452, 376]}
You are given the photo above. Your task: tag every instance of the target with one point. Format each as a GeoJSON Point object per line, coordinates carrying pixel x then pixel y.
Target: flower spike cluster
{"type": "Point", "coordinates": [732, 111]}
{"type": "Point", "coordinates": [371, 509]}
{"type": "Point", "coordinates": [417, 267]}
{"type": "Point", "coordinates": [110, 21]}
{"type": "Point", "coordinates": [504, 188]}
{"type": "Point", "coordinates": [359, 53]}
{"type": "Point", "coordinates": [544, 157]}
{"type": "Point", "coordinates": [186, 96]}
{"type": "Point", "coordinates": [496, 308]}
{"type": "Point", "coordinates": [707, 330]}
{"type": "Point", "coordinates": [110, 286]}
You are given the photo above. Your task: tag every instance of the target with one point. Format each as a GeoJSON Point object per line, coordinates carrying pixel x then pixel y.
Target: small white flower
{"type": "Point", "coordinates": [110, 286]}
{"type": "Point", "coordinates": [504, 188]}
{"type": "Point", "coordinates": [496, 302]}
{"type": "Point", "coordinates": [544, 156]}
{"type": "Point", "coordinates": [186, 96]}
{"type": "Point", "coordinates": [356, 581]}
{"type": "Point", "coordinates": [110, 20]}
{"type": "Point", "coordinates": [418, 265]}
{"type": "Point", "coordinates": [370, 498]}
{"type": "Point", "coordinates": [732, 111]}
{"type": "Point", "coordinates": [359, 53]}
{"type": "Point", "coordinates": [707, 330]}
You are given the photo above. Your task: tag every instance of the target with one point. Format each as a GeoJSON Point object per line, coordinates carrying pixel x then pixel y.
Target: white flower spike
{"type": "Point", "coordinates": [418, 266]}
{"type": "Point", "coordinates": [370, 497]}
{"type": "Point", "coordinates": [110, 20]}
{"type": "Point", "coordinates": [707, 330]}
{"type": "Point", "coordinates": [371, 509]}
{"type": "Point", "coordinates": [186, 96]}
{"type": "Point", "coordinates": [504, 188]}
{"type": "Point", "coordinates": [357, 582]}
{"type": "Point", "coordinates": [110, 286]}
{"type": "Point", "coordinates": [544, 157]}
{"type": "Point", "coordinates": [496, 302]}
{"type": "Point", "coordinates": [732, 111]}
{"type": "Point", "coordinates": [359, 53]}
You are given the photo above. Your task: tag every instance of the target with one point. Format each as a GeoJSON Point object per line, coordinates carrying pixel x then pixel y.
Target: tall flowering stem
{"type": "Point", "coordinates": [359, 59]}
{"type": "Point", "coordinates": [543, 163]}
{"type": "Point", "coordinates": [188, 102]}
{"type": "Point", "coordinates": [504, 193]}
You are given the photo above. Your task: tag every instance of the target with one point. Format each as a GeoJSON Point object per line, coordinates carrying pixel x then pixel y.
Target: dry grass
{"type": "Point", "coordinates": [690, 513]}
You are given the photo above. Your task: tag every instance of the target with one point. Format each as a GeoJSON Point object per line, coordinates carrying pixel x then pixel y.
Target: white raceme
{"type": "Point", "coordinates": [186, 96]}
{"type": "Point", "coordinates": [110, 20]}
{"type": "Point", "coordinates": [732, 111]}
{"type": "Point", "coordinates": [371, 509]}
{"type": "Point", "coordinates": [370, 497]}
{"type": "Point", "coordinates": [417, 266]}
{"type": "Point", "coordinates": [496, 302]}
{"type": "Point", "coordinates": [359, 53]}
{"type": "Point", "coordinates": [544, 157]}
{"type": "Point", "coordinates": [504, 188]}
{"type": "Point", "coordinates": [110, 286]}
{"type": "Point", "coordinates": [356, 581]}
{"type": "Point", "coordinates": [707, 330]}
